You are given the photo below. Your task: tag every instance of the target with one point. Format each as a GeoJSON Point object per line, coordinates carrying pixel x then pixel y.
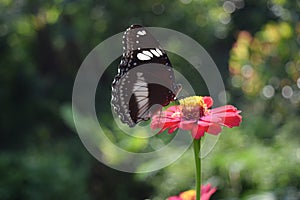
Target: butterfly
{"type": "Point", "coordinates": [145, 81]}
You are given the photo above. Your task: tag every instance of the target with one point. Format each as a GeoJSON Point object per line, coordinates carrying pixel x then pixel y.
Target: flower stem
{"type": "Point", "coordinates": [197, 144]}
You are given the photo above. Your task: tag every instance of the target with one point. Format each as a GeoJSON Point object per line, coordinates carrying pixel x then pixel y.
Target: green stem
{"type": "Point", "coordinates": [197, 145]}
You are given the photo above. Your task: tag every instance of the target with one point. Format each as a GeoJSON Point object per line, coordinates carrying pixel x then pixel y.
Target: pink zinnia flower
{"type": "Point", "coordinates": [194, 114]}
{"type": "Point", "coordinates": [206, 192]}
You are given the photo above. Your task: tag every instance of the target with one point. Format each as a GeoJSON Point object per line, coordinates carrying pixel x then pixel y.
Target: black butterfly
{"type": "Point", "coordinates": [145, 81]}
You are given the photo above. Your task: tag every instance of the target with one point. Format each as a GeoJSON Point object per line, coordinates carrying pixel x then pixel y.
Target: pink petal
{"type": "Point", "coordinates": [228, 119]}
{"type": "Point", "coordinates": [226, 108]}
{"type": "Point", "coordinates": [226, 115]}
{"type": "Point", "coordinates": [167, 125]}
{"type": "Point", "coordinates": [173, 109]}
{"type": "Point", "coordinates": [233, 121]}
{"type": "Point", "coordinates": [214, 129]}
{"type": "Point", "coordinates": [172, 129]}
{"type": "Point", "coordinates": [205, 188]}
{"type": "Point", "coordinates": [162, 122]}
{"type": "Point", "coordinates": [198, 131]}
{"type": "Point", "coordinates": [211, 118]}
{"type": "Point", "coordinates": [165, 120]}
{"type": "Point", "coordinates": [208, 101]}
{"type": "Point", "coordinates": [204, 123]}
{"type": "Point", "coordinates": [207, 191]}
{"type": "Point", "coordinates": [167, 113]}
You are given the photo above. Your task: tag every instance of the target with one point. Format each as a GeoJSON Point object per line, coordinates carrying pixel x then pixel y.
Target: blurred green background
{"type": "Point", "coordinates": [255, 45]}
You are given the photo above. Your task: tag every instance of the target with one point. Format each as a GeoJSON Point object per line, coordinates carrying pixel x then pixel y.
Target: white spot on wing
{"type": "Point", "coordinates": [155, 52]}
{"type": "Point", "coordinates": [148, 53]}
{"type": "Point", "coordinates": [159, 51]}
{"type": "Point", "coordinates": [142, 32]}
{"type": "Point", "coordinates": [141, 56]}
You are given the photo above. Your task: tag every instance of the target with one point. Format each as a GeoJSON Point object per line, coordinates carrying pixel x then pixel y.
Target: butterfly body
{"type": "Point", "coordinates": [145, 81]}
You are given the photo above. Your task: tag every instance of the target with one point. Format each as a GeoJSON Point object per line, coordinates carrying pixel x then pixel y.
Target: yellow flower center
{"type": "Point", "coordinates": [193, 107]}
{"type": "Point", "coordinates": [188, 195]}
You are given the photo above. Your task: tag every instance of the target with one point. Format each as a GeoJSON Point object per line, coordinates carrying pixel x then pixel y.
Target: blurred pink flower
{"type": "Point", "coordinates": [206, 192]}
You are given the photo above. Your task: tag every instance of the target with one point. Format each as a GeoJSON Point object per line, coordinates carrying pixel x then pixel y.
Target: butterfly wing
{"type": "Point", "coordinates": [145, 81]}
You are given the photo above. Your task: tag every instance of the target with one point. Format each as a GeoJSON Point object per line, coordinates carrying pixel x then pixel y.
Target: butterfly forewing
{"type": "Point", "coordinates": [145, 81]}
